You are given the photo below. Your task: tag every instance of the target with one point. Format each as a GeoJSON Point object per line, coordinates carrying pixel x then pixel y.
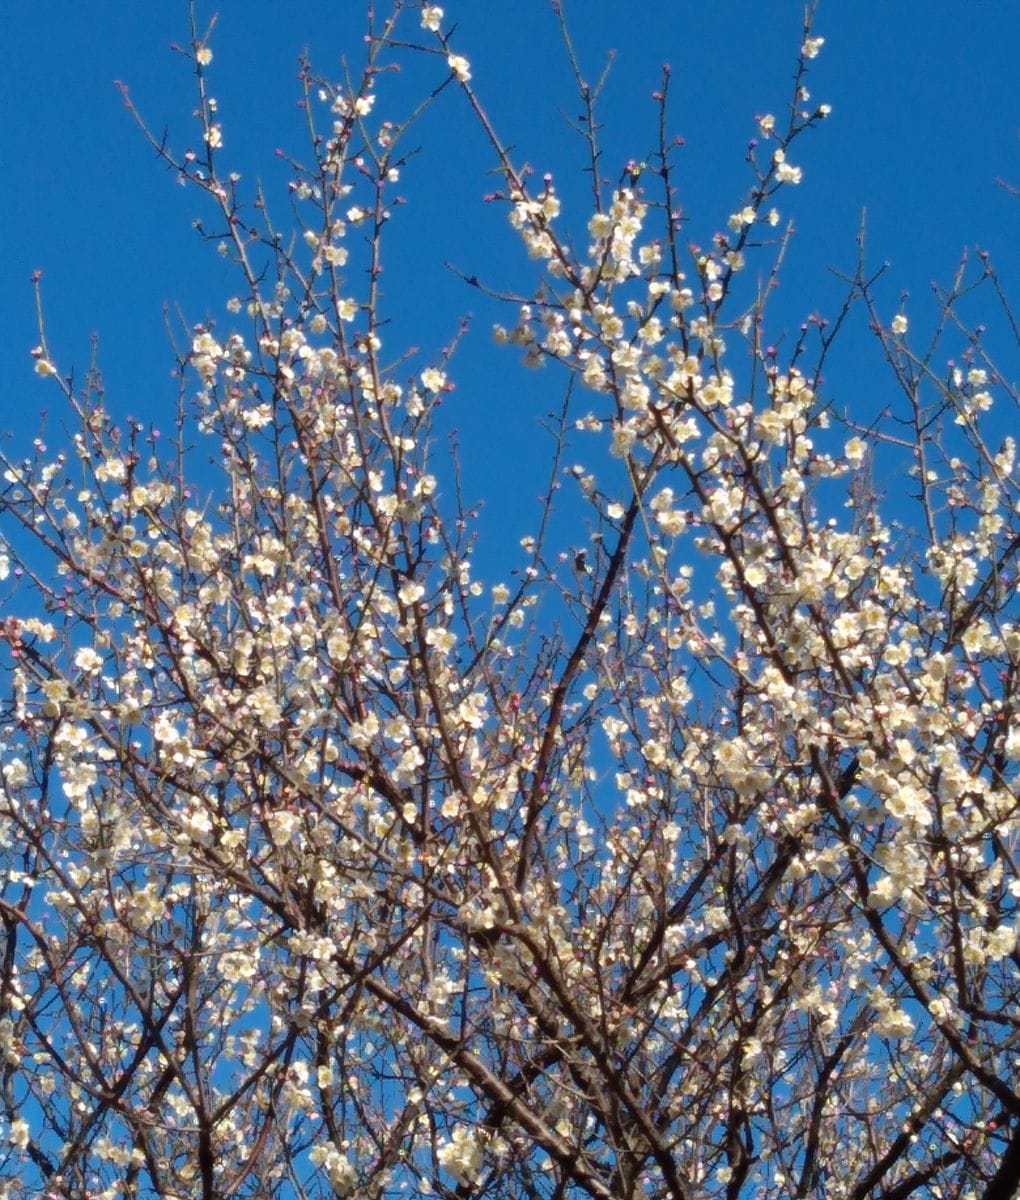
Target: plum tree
{"type": "Point", "coordinates": [678, 866]}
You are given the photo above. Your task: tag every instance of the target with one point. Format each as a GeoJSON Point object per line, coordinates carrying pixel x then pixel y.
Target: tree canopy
{"type": "Point", "coordinates": [676, 862]}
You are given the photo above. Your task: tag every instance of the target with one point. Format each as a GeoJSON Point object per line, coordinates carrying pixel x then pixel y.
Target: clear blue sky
{"type": "Point", "coordinates": [925, 117]}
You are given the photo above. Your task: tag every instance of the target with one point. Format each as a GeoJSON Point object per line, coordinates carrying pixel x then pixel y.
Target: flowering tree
{"type": "Point", "coordinates": [679, 866]}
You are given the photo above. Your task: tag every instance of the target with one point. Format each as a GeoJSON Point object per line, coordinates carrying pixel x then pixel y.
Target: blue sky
{"type": "Point", "coordinates": [924, 121]}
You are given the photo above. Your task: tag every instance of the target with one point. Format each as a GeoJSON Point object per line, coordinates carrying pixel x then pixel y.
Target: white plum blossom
{"type": "Point", "coordinates": [431, 16]}
{"type": "Point", "coordinates": [460, 67]}
{"type": "Point", "coordinates": [461, 1155]}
